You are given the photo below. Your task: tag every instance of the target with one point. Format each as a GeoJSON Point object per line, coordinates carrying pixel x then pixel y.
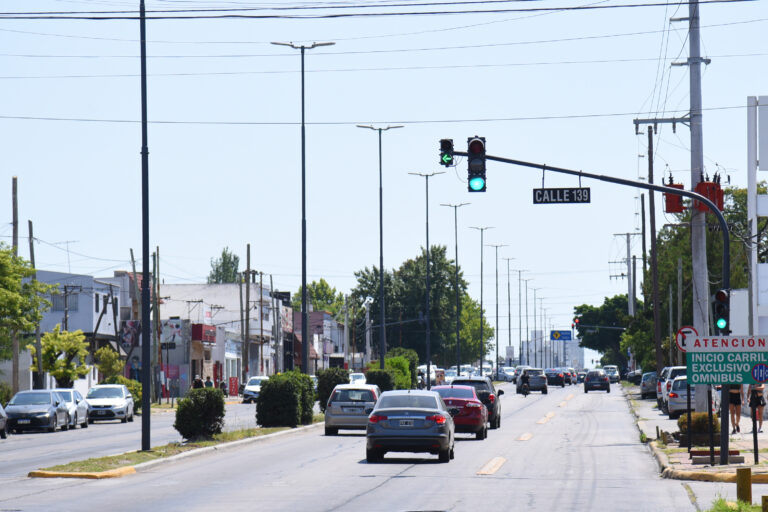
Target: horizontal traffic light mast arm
{"type": "Point", "coordinates": [638, 184]}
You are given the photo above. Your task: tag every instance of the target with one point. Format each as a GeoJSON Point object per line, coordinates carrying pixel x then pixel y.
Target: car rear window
{"type": "Point", "coordinates": [417, 401]}
{"type": "Point", "coordinates": [533, 373]}
{"type": "Point", "coordinates": [455, 393]}
{"type": "Point", "coordinates": [595, 374]}
{"type": "Point", "coordinates": [479, 385]}
{"type": "Point", "coordinates": [676, 372]}
{"type": "Point", "coordinates": [353, 395]}
{"type": "Point", "coordinates": [679, 384]}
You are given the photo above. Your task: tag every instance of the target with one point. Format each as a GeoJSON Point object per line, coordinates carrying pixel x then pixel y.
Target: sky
{"type": "Point", "coordinates": [551, 86]}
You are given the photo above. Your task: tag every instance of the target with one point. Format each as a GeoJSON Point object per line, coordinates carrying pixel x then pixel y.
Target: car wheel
{"type": "Point", "coordinates": [54, 424]}
{"type": "Point", "coordinates": [544, 391]}
{"type": "Point", "coordinates": [74, 423]}
{"type": "Point", "coordinates": [65, 426]}
{"type": "Point", "coordinates": [563, 385]}
{"type": "Point", "coordinates": [493, 424]}
{"type": "Point", "coordinates": [444, 455]}
{"type": "Point", "coordinates": [452, 454]}
{"type": "Point", "coordinates": [90, 421]}
{"type": "Point", "coordinates": [608, 390]}
{"type": "Point", "coordinates": [84, 424]}
{"type": "Point", "coordinates": [124, 419]}
{"type": "Point", "coordinates": [673, 415]}
{"type": "Point", "coordinates": [130, 418]}
{"type": "Point", "coordinates": [498, 421]}
{"type": "Point", "coordinates": [4, 432]}
{"type": "Point", "coordinates": [586, 390]}
{"type": "Point", "coordinates": [330, 431]}
{"type": "Point", "coordinates": [482, 433]}
{"type": "Point", "coordinates": [372, 456]}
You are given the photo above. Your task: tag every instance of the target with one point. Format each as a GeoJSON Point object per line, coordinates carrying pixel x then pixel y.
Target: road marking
{"type": "Point", "coordinates": [563, 404]}
{"type": "Point", "coordinates": [546, 418]}
{"type": "Point", "coordinates": [569, 396]}
{"type": "Point", "coordinates": [492, 466]}
{"type": "Point", "coordinates": [525, 437]}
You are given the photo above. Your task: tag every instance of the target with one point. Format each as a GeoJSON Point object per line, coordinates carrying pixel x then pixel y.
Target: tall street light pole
{"type": "Point", "coordinates": [482, 344]}
{"type": "Point", "coordinates": [456, 269]}
{"type": "Point", "coordinates": [520, 314]}
{"type": "Point", "coordinates": [382, 328]}
{"type": "Point", "coordinates": [496, 334]}
{"type": "Point", "coordinates": [535, 351]}
{"type": "Point", "coordinates": [527, 330]}
{"type": "Point", "coordinates": [429, 355]}
{"type": "Point", "coordinates": [509, 308]}
{"type": "Point", "coordinates": [304, 316]}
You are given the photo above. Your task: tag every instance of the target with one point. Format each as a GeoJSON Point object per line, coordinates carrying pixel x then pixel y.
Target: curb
{"type": "Point", "coordinates": [130, 470]}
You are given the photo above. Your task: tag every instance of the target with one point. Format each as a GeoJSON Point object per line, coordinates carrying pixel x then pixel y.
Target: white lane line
{"type": "Point", "coordinates": [525, 437]}
{"type": "Point", "coordinates": [492, 466]}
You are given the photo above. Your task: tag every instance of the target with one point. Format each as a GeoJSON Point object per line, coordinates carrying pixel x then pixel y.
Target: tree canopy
{"type": "Point", "coordinates": [322, 296]}
{"type": "Point", "coordinates": [224, 268]}
{"type": "Point", "coordinates": [64, 355]}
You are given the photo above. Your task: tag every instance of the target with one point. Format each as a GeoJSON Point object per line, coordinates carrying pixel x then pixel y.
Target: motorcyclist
{"type": "Point", "coordinates": [525, 381]}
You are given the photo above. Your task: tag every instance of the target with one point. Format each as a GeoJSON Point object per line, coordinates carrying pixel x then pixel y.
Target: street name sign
{"type": "Point", "coordinates": [561, 195]}
{"type": "Point", "coordinates": [560, 335]}
{"type": "Point", "coordinates": [727, 359]}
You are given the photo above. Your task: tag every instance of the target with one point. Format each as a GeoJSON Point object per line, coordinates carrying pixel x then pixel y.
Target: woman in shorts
{"type": "Point", "coordinates": [734, 393]}
{"type": "Point", "coordinates": [757, 402]}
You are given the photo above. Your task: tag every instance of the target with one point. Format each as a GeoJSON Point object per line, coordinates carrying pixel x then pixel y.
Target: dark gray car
{"type": "Point", "coordinates": [39, 409]}
{"type": "Point", "coordinates": [410, 421]}
{"type": "Point", "coordinates": [3, 423]}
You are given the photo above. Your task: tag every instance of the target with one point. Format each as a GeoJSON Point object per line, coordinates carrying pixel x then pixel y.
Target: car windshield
{"type": "Point", "coordinates": [417, 401]}
{"type": "Point", "coordinates": [255, 381]}
{"type": "Point", "coordinates": [455, 392]}
{"type": "Point", "coordinates": [66, 395]}
{"type": "Point", "coordinates": [105, 393]}
{"type": "Point", "coordinates": [353, 395]}
{"type": "Point", "coordinates": [31, 399]}
{"type": "Point", "coordinates": [595, 374]}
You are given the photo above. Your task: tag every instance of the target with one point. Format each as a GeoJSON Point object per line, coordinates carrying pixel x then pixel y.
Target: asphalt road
{"type": "Point", "coordinates": [22, 453]}
{"type": "Point", "coordinates": [563, 451]}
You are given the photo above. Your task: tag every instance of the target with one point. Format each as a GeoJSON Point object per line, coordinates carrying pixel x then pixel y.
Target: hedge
{"type": "Point", "coordinates": [326, 381]}
{"type": "Point", "coordinates": [699, 423]}
{"type": "Point", "coordinates": [413, 361]}
{"type": "Point", "coordinates": [385, 379]}
{"type": "Point", "coordinates": [278, 402]}
{"type": "Point", "coordinates": [200, 414]}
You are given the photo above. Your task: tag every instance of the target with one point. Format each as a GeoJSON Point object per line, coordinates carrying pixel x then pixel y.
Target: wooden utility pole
{"type": "Point", "coordinates": [261, 323]}
{"type": "Point", "coordinates": [654, 261]}
{"type": "Point", "coordinates": [247, 341]}
{"type": "Point", "coordinates": [14, 334]}
{"type": "Point", "coordinates": [38, 382]}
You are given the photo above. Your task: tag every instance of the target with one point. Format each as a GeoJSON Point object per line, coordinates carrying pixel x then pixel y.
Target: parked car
{"type": "Point", "coordinates": [648, 385]}
{"type": "Point", "coordinates": [597, 379]}
{"type": "Point", "coordinates": [410, 421]}
{"type": "Point", "coordinates": [555, 377]}
{"type": "Point", "coordinates": [635, 376]}
{"type": "Point", "coordinates": [537, 381]}
{"type": "Point", "coordinates": [612, 371]}
{"type": "Point", "coordinates": [677, 398]}
{"type": "Point", "coordinates": [253, 388]}
{"type": "Point", "coordinates": [508, 373]}
{"type": "Point", "coordinates": [4, 426]}
{"type": "Point", "coordinates": [674, 371]}
{"type": "Point", "coordinates": [38, 409]}
{"type": "Point", "coordinates": [357, 378]}
{"type": "Point", "coordinates": [472, 417]}
{"type": "Point", "coordinates": [487, 394]}
{"type": "Point", "coordinates": [77, 407]}
{"type": "Point", "coordinates": [109, 402]}
{"type": "Point", "coordinates": [347, 405]}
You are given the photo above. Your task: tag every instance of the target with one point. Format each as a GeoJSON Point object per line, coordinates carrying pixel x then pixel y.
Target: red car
{"type": "Point", "coordinates": [472, 417]}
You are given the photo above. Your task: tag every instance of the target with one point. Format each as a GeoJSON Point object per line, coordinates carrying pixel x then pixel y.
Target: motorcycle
{"type": "Point", "coordinates": [526, 390]}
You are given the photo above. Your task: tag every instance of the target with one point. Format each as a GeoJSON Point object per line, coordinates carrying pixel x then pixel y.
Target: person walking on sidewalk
{"type": "Point", "coordinates": [734, 393]}
{"type": "Point", "coordinates": [757, 401]}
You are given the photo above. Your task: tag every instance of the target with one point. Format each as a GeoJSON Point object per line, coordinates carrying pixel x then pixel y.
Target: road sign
{"type": "Point", "coordinates": [683, 334]}
{"type": "Point", "coordinates": [726, 359]}
{"type": "Point", "coordinates": [560, 335]}
{"type": "Point", "coordinates": [561, 195]}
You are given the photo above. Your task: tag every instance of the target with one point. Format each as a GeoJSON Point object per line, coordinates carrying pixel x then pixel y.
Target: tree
{"type": "Point", "coordinates": [322, 296]}
{"type": "Point", "coordinates": [224, 269]}
{"type": "Point", "coordinates": [22, 300]}
{"type": "Point", "coordinates": [64, 355]}
{"type": "Point", "coordinates": [109, 362]}
{"type": "Point", "coordinates": [601, 328]}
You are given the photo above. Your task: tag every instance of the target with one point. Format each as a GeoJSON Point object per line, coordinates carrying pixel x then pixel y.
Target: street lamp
{"type": "Point", "coordinates": [382, 329]}
{"type": "Point", "coordinates": [429, 355]}
{"type": "Point", "coordinates": [458, 307]}
{"type": "Point", "coordinates": [527, 331]}
{"type": "Point", "coordinates": [496, 334]}
{"type": "Point", "coordinates": [482, 345]}
{"type": "Point", "coordinates": [304, 319]}
{"type": "Point", "coordinates": [509, 308]}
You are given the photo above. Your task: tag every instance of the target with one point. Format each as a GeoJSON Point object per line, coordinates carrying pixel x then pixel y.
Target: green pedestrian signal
{"type": "Point", "coordinates": [446, 152]}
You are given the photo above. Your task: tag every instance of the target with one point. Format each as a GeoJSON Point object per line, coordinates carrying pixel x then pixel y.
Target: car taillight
{"type": "Point", "coordinates": [375, 418]}
{"type": "Point", "coordinates": [437, 418]}
{"type": "Point", "coordinates": [473, 404]}
{"type": "Point", "coordinates": [658, 386]}
{"type": "Point", "coordinates": [672, 394]}
{"type": "Point", "coordinates": [492, 397]}
{"type": "Point", "coordinates": [561, 375]}
{"type": "Point", "coordinates": [669, 385]}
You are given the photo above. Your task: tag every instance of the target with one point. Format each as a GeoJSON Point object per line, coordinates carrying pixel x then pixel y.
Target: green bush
{"type": "Point", "coordinates": [278, 402]}
{"type": "Point", "coordinates": [385, 379]}
{"type": "Point", "coordinates": [398, 366]}
{"type": "Point", "coordinates": [306, 390]}
{"type": "Point", "coordinates": [6, 393]}
{"type": "Point", "coordinates": [699, 423]}
{"type": "Point", "coordinates": [200, 414]}
{"type": "Point", "coordinates": [326, 381]}
{"type": "Point", "coordinates": [134, 388]}
{"type": "Point", "coordinates": [413, 361]}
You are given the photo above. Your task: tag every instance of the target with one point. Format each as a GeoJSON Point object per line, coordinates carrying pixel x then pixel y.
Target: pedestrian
{"type": "Point", "coordinates": [734, 393]}
{"type": "Point", "coordinates": [208, 382]}
{"type": "Point", "coordinates": [197, 383]}
{"type": "Point", "coordinates": [757, 402]}
{"type": "Point", "coordinates": [223, 387]}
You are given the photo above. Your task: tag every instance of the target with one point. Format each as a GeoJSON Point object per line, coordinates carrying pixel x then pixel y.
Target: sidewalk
{"type": "Point", "coordinates": [674, 460]}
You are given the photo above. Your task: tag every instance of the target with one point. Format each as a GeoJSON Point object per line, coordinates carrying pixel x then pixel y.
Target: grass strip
{"type": "Point", "coordinates": [721, 505]}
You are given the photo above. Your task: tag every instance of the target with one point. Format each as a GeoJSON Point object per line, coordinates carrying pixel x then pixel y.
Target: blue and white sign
{"type": "Point", "coordinates": [560, 335]}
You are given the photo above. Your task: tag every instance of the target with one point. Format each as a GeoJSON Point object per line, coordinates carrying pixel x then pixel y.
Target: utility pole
{"type": "Point", "coordinates": [630, 281]}
{"type": "Point", "coordinates": [535, 350]}
{"type": "Point", "coordinates": [261, 323]}
{"type": "Point", "coordinates": [496, 334]}
{"type": "Point", "coordinates": [38, 382]}
{"type": "Point", "coordinates": [527, 331]}
{"type": "Point", "coordinates": [15, 244]}
{"type": "Point", "coordinates": [509, 309]}
{"type": "Point", "coordinates": [68, 289]}
{"type": "Point", "coordinates": [654, 262]}
{"type": "Point", "coordinates": [247, 341]}
{"type": "Point", "coordinates": [680, 299]}
{"type": "Point", "coordinates": [520, 316]}
{"type": "Point", "coordinates": [482, 343]}
{"type": "Point", "coordinates": [456, 276]}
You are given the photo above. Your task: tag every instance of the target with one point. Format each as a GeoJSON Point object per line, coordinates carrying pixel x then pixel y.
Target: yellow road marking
{"type": "Point", "coordinates": [525, 437]}
{"type": "Point", "coordinates": [492, 466]}
{"type": "Point", "coordinates": [563, 404]}
{"type": "Point", "coordinates": [546, 418]}
{"type": "Point", "coordinates": [569, 396]}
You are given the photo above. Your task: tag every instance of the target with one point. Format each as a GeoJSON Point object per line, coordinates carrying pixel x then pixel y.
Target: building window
{"type": "Point", "coordinates": [57, 302]}
{"type": "Point", "coordinates": [96, 302]}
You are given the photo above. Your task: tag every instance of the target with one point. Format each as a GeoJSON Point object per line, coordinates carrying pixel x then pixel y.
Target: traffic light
{"type": "Point", "coordinates": [721, 307]}
{"type": "Point", "coordinates": [446, 152]}
{"type": "Point", "coordinates": [476, 164]}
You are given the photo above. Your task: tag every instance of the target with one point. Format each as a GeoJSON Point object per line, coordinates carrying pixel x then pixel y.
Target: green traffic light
{"type": "Point", "coordinates": [477, 183]}
{"type": "Point", "coordinates": [447, 159]}
{"type": "Point", "coordinates": [721, 323]}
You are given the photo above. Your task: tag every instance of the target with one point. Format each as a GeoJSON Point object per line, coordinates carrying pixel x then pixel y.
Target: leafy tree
{"type": "Point", "coordinates": [601, 328]}
{"type": "Point", "coordinates": [22, 301]}
{"type": "Point", "coordinates": [224, 269]}
{"type": "Point", "coordinates": [64, 355]}
{"type": "Point", "coordinates": [109, 362]}
{"type": "Point", "coordinates": [322, 296]}
{"type": "Point", "coordinates": [413, 361]}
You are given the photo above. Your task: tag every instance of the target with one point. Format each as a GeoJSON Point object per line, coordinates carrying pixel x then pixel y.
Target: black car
{"type": "Point", "coordinates": [39, 409]}
{"type": "Point", "coordinates": [597, 379]}
{"type": "Point", "coordinates": [4, 429]}
{"type": "Point", "coordinates": [487, 394]}
{"type": "Point", "coordinates": [556, 377]}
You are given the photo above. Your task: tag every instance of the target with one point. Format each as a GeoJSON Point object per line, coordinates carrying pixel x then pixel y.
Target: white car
{"type": "Point", "coordinates": [672, 373]}
{"type": "Point", "coordinates": [253, 388]}
{"type": "Point", "coordinates": [76, 405]}
{"type": "Point", "coordinates": [357, 378]}
{"type": "Point", "coordinates": [109, 402]}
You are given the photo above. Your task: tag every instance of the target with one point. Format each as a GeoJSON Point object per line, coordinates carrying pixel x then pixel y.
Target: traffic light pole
{"type": "Point", "coordinates": [724, 402]}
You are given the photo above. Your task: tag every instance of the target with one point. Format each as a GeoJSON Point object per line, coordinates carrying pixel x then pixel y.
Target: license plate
{"type": "Point", "coordinates": [101, 413]}
{"type": "Point", "coordinates": [23, 422]}
{"type": "Point", "coordinates": [406, 423]}
{"type": "Point", "coordinates": [351, 409]}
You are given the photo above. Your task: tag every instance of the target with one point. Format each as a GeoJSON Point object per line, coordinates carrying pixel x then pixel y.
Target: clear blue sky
{"type": "Point", "coordinates": [560, 88]}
